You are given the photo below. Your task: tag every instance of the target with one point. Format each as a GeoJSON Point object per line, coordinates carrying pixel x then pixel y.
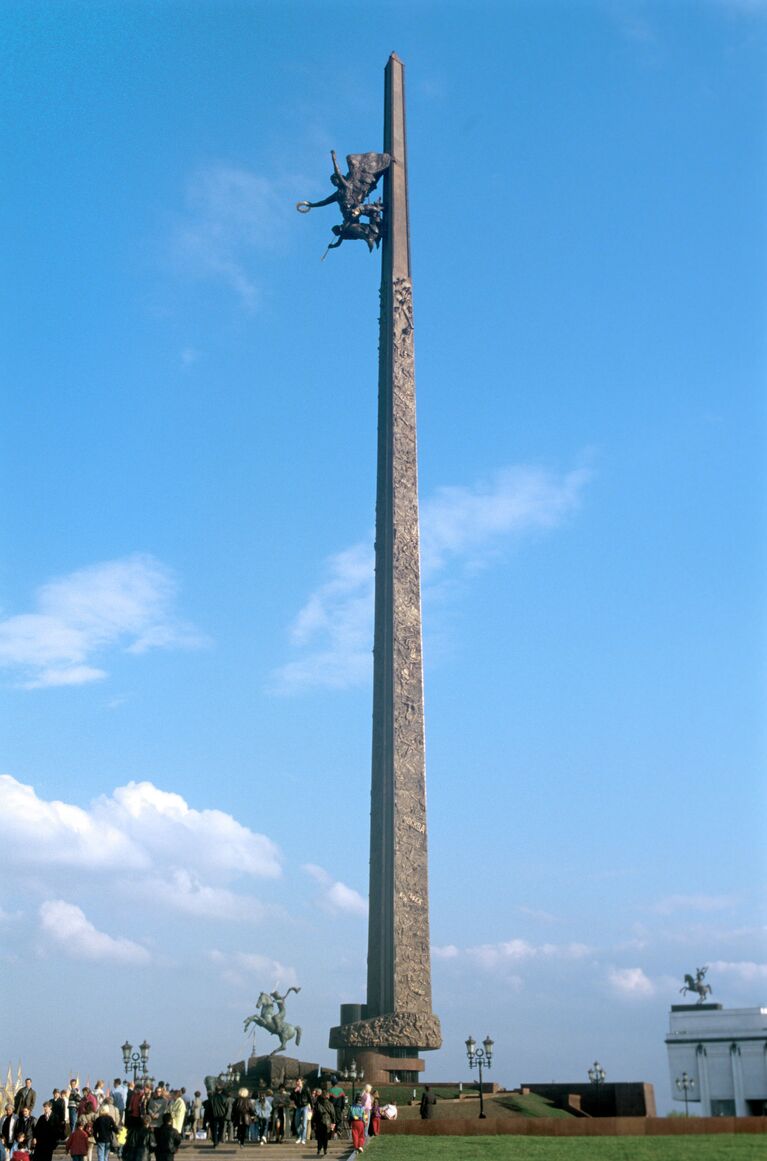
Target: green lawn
{"type": "Point", "coordinates": [694, 1148]}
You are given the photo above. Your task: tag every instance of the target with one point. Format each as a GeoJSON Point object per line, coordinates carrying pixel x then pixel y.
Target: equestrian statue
{"type": "Point", "coordinates": [695, 984]}
{"type": "Point", "coordinates": [274, 1022]}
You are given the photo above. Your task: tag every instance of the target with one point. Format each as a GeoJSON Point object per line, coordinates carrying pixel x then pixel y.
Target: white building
{"type": "Point", "coordinates": [724, 1054]}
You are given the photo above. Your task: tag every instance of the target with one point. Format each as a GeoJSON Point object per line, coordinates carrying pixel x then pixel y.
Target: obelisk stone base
{"type": "Point", "coordinates": [387, 1047]}
{"type": "Point", "coordinates": [395, 1030]}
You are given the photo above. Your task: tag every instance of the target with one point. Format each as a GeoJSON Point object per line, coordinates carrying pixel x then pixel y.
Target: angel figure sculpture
{"type": "Point", "coordinates": [352, 188]}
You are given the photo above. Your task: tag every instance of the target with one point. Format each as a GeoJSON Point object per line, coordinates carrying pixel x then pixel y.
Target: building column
{"type": "Point", "coordinates": [704, 1086]}
{"type": "Point", "coordinates": [737, 1081]}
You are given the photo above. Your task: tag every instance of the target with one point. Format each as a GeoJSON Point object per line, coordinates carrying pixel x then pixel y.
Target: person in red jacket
{"type": "Point", "coordinates": [22, 1147]}
{"type": "Point", "coordinates": [78, 1141]}
{"type": "Point", "coordinates": [88, 1106]}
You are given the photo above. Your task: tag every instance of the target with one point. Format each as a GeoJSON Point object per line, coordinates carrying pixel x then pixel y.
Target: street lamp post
{"type": "Point", "coordinates": [685, 1084]}
{"type": "Point", "coordinates": [597, 1077]}
{"type": "Point", "coordinates": [230, 1077]}
{"type": "Point", "coordinates": [352, 1073]}
{"type": "Point", "coordinates": [136, 1062]}
{"type": "Point", "coordinates": [480, 1057]}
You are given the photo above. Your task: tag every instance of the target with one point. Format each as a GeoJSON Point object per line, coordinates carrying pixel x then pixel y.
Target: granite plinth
{"type": "Point", "coordinates": [272, 1071]}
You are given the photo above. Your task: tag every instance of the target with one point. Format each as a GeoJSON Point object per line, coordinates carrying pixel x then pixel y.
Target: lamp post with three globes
{"type": "Point", "coordinates": [480, 1058]}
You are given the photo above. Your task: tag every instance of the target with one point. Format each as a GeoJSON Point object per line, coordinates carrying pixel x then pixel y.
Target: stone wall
{"type": "Point", "coordinates": [575, 1127]}
{"type": "Point", "coordinates": [612, 1099]}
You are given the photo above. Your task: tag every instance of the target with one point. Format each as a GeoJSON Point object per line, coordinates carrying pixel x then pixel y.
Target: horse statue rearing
{"type": "Point", "coordinates": [695, 984]}
{"type": "Point", "coordinates": [274, 1022]}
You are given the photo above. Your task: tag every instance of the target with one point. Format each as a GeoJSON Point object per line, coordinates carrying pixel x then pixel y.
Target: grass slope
{"type": "Point", "coordinates": [496, 1105]}
{"type": "Point", "coordinates": [530, 1105]}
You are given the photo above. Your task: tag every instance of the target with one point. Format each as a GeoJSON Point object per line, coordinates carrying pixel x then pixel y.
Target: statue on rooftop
{"type": "Point", "coordinates": [696, 984]}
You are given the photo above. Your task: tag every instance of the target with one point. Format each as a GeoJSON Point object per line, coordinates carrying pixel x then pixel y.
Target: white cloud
{"type": "Point", "coordinates": [231, 213]}
{"type": "Point", "coordinates": [66, 926]}
{"type": "Point", "coordinates": [490, 955]}
{"type": "Point", "coordinates": [336, 896]}
{"type": "Point", "coordinates": [340, 614]}
{"type": "Point", "coordinates": [115, 702]}
{"type": "Point", "coordinates": [637, 943]}
{"type": "Point", "coordinates": [471, 522]}
{"type": "Point", "coordinates": [143, 841]}
{"type": "Point", "coordinates": [630, 983]}
{"type": "Point", "coordinates": [73, 675]}
{"type": "Point", "coordinates": [744, 971]}
{"type": "Point", "coordinates": [513, 951]}
{"type": "Point", "coordinates": [705, 903]}
{"type": "Point", "coordinates": [44, 833]}
{"type": "Point", "coordinates": [459, 525]}
{"type": "Point", "coordinates": [240, 969]}
{"type": "Point", "coordinates": [536, 914]}
{"type": "Point", "coordinates": [183, 891]}
{"type": "Point", "coordinates": [171, 832]}
{"type": "Point", "coordinates": [125, 603]}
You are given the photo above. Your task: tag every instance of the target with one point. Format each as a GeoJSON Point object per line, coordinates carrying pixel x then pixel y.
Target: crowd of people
{"type": "Point", "coordinates": [134, 1119]}
{"type": "Point", "coordinates": [300, 1113]}
{"type": "Point", "coordinates": [128, 1120]}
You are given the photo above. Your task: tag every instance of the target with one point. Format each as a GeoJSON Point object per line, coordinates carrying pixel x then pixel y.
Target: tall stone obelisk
{"type": "Point", "coordinates": [386, 1035]}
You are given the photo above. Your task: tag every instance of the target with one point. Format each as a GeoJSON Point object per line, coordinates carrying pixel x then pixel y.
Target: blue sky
{"type": "Point", "coordinates": [188, 471]}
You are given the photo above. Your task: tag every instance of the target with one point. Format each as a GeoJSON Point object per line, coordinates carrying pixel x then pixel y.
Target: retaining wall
{"type": "Point", "coordinates": [575, 1127]}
